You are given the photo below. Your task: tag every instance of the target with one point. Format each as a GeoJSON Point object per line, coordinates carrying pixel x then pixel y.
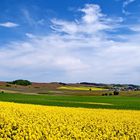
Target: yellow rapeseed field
{"type": "Point", "coordinates": [81, 88]}
{"type": "Point", "coordinates": [34, 122]}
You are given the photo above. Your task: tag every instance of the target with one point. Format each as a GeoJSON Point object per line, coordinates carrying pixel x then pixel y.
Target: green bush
{"type": "Point", "coordinates": [21, 82]}
{"type": "Point", "coordinates": [116, 92]}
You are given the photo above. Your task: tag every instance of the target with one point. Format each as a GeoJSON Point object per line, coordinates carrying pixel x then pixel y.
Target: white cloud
{"type": "Point", "coordinates": [30, 19]}
{"type": "Point", "coordinates": [125, 4]}
{"type": "Point", "coordinates": [135, 28]}
{"type": "Point", "coordinates": [92, 13]}
{"type": "Point", "coordinates": [92, 20]}
{"type": "Point", "coordinates": [29, 35]}
{"type": "Point", "coordinates": [78, 50]}
{"type": "Point", "coordinates": [8, 24]}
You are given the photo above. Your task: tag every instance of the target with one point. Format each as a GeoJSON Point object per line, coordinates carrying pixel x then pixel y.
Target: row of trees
{"type": "Point", "coordinates": [116, 92]}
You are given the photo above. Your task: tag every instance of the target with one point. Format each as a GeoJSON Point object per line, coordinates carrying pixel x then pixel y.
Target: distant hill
{"type": "Point", "coordinates": [114, 86]}
{"type": "Point", "coordinates": [55, 85]}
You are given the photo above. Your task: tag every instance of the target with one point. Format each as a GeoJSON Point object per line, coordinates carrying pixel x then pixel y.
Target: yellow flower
{"type": "Point", "coordinates": [34, 122]}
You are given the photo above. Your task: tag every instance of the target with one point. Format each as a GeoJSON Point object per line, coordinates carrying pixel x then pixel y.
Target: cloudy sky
{"type": "Point", "coordinates": [70, 40]}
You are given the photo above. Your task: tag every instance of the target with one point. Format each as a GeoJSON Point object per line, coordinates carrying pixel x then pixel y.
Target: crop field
{"type": "Point", "coordinates": [108, 102]}
{"type": "Point", "coordinates": [35, 122]}
{"type": "Point", "coordinates": [80, 88]}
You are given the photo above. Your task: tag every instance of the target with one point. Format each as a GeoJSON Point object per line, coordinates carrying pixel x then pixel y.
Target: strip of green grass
{"type": "Point", "coordinates": [113, 102]}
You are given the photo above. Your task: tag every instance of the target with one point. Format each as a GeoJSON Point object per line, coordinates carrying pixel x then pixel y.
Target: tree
{"type": "Point", "coordinates": [90, 89]}
{"type": "Point", "coordinates": [21, 82]}
{"type": "Point", "coordinates": [116, 92]}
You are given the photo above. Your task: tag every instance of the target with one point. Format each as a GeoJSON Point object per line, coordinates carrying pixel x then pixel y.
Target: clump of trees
{"type": "Point", "coordinates": [116, 92]}
{"type": "Point", "coordinates": [21, 82]}
{"type": "Point", "coordinates": [104, 94]}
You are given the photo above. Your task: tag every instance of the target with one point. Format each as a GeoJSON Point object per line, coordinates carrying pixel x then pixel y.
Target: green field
{"type": "Point", "coordinates": [81, 88]}
{"type": "Point", "coordinates": [110, 102]}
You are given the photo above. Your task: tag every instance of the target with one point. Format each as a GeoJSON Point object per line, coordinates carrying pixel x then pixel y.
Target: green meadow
{"type": "Point", "coordinates": [108, 102]}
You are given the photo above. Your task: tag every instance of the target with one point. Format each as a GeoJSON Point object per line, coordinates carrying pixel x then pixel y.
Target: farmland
{"type": "Point", "coordinates": [30, 122]}
{"type": "Point", "coordinates": [60, 89]}
{"type": "Point", "coordinates": [55, 112]}
{"type": "Point", "coordinates": [81, 88]}
{"type": "Point", "coordinates": [70, 70]}
{"type": "Point", "coordinates": [108, 102]}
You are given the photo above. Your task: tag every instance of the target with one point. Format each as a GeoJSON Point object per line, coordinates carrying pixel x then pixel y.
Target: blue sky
{"type": "Point", "coordinates": [70, 40]}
